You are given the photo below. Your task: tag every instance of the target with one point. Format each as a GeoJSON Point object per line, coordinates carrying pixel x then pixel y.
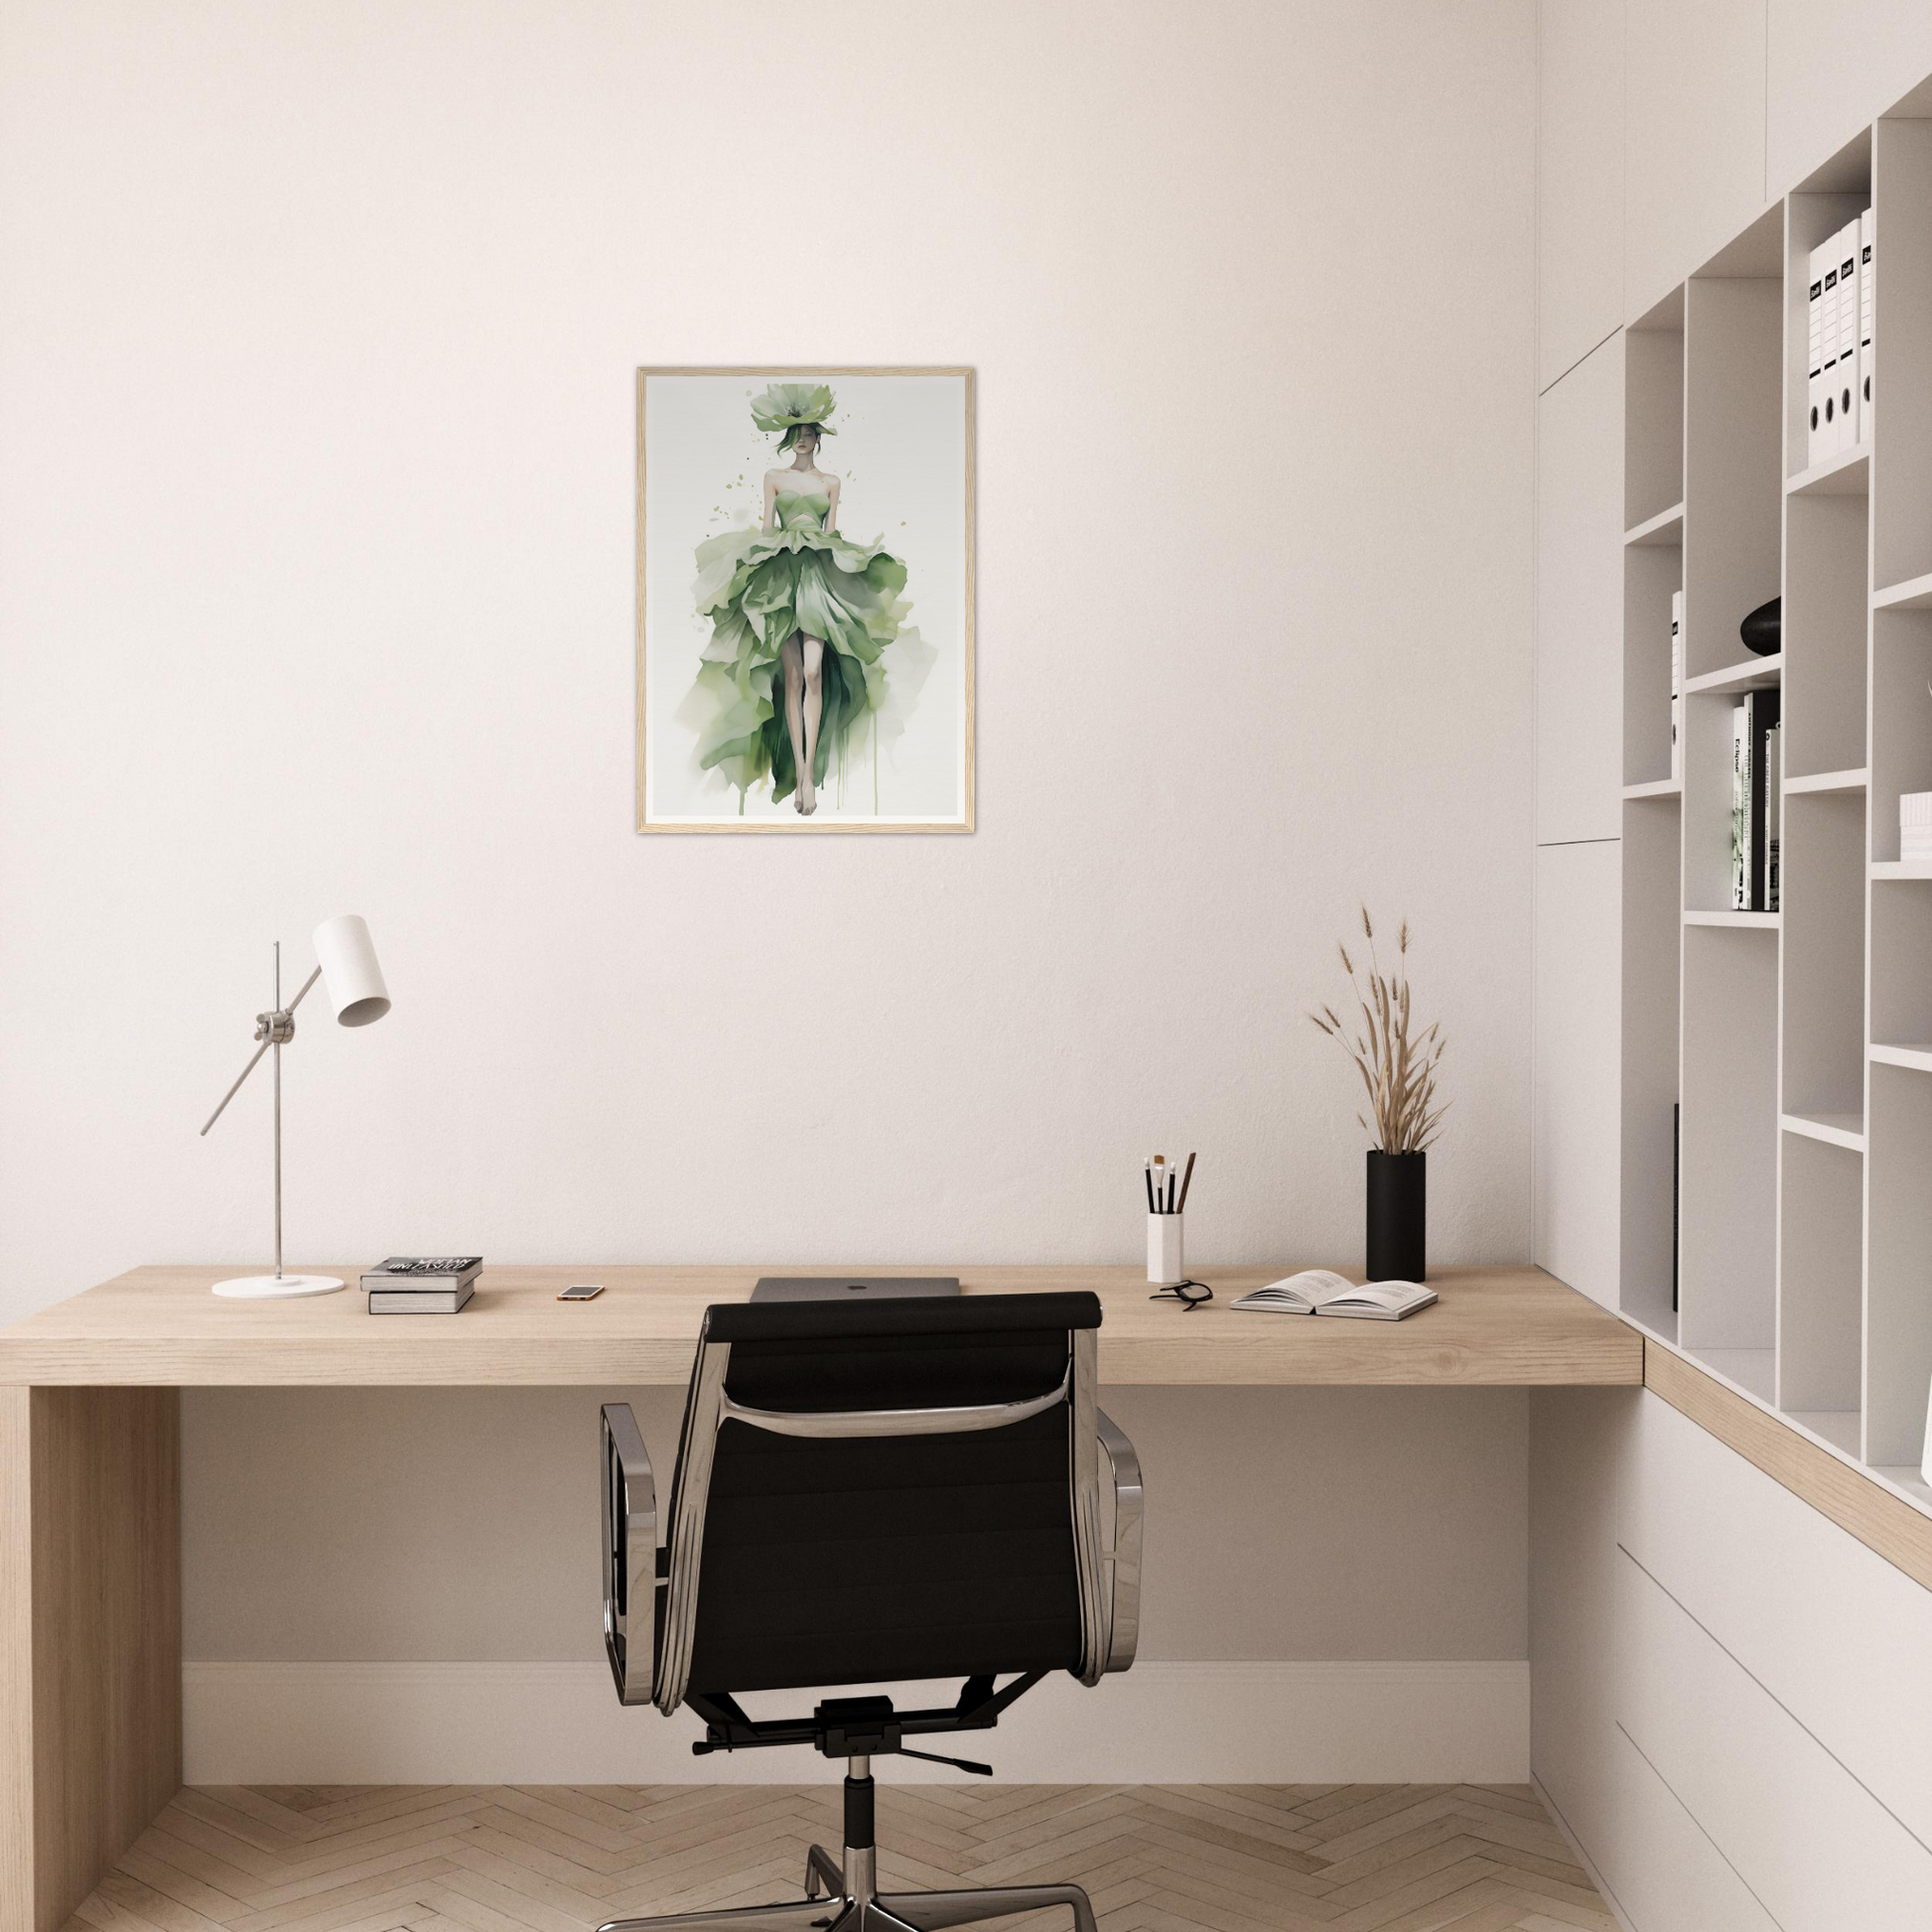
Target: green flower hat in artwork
{"type": "Point", "coordinates": [792, 406]}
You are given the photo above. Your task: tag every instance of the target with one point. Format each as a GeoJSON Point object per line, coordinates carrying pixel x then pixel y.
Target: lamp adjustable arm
{"type": "Point", "coordinates": [274, 1029]}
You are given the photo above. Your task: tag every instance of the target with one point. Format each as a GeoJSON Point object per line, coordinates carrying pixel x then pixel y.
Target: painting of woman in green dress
{"type": "Point", "coordinates": [801, 618]}
{"type": "Point", "coordinates": [810, 675]}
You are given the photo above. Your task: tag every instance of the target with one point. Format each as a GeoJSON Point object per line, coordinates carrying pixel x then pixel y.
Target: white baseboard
{"type": "Point", "coordinates": [561, 1724]}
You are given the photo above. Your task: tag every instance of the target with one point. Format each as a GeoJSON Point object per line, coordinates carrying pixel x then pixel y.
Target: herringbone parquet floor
{"type": "Point", "coordinates": [563, 1857]}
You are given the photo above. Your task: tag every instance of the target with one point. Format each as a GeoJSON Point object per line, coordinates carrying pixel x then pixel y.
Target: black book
{"type": "Point", "coordinates": [1676, 1193]}
{"type": "Point", "coordinates": [1760, 715]}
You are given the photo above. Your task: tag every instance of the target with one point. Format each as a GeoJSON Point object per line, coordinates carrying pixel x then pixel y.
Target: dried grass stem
{"type": "Point", "coordinates": [1397, 1067]}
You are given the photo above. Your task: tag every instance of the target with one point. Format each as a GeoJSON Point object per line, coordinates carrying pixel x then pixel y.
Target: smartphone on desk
{"type": "Point", "coordinates": [582, 1292]}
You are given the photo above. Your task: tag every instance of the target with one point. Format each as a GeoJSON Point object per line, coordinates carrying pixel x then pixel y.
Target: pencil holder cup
{"type": "Point", "coordinates": [1164, 1249]}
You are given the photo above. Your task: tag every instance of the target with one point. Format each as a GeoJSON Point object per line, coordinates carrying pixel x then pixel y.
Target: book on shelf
{"type": "Point", "coordinates": [1741, 811]}
{"type": "Point", "coordinates": [423, 1273]}
{"type": "Point", "coordinates": [1916, 825]}
{"type": "Point", "coordinates": [1847, 393]}
{"type": "Point", "coordinates": [1815, 358]}
{"type": "Point", "coordinates": [1825, 267]}
{"type": "Point", "coordinates": [1760, 719]}
{"type": "Point", "coordinates": [1677, 686]}
{"type": "Point", "coordinates": [1751, 820]}
{"type": "Point", "coordinates": [1320, 1290]}
{"type": "Point", "coordinates": [1773, 808]}
{"type": "Point", "coordinates": [1676, 1194]}
{"type": "Point", "coordinates": [420, 1300]}
{"type": "Point", "coordinates": [1867, 301]}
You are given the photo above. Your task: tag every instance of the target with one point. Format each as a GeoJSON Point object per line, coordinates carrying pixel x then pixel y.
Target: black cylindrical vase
{"type": "Point", "coordinates": [1398, 1216]}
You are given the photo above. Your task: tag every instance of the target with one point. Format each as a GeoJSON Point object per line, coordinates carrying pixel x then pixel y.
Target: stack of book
{"type": "Point", "coordinates": [422, 1284]}
{"type": "Point", "coordinates": [1755, 803]}
{"type": "Point", "coordinates": [1838, 313]}
{"type": "Point", "coordinates": [1915, 826]}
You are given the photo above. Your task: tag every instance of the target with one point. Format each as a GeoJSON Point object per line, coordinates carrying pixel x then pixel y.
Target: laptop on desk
{"type": "Point", "coordinates": [851, 1288]}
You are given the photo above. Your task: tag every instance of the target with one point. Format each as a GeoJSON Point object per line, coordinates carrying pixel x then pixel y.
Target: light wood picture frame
{"type": "Point", "coordinates": [775, 504]}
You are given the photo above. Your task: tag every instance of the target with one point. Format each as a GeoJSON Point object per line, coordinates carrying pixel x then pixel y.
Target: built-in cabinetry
{"type": "Point", "coordinates": [1729, 1688]}
{"type": "Point", "coordinates": [1730, 1627]}
{"type": "Point", "coordinates": [1796, 1043]}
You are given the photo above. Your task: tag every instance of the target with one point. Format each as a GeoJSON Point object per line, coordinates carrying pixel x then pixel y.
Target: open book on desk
{"type": "Point", "coordinates": [1320, 1290]}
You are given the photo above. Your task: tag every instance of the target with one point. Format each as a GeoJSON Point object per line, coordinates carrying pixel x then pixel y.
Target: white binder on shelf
{"type": "Point", "coordinates": [1677, 686]}
{"type": "Point", "coordinates": [1865, 304]}
{"type": "Point", "coordinates": [1816, 312]}
{"type": "Point", "coordinates": [1848, 335]}
{"type": "Point", "coordinates": [1828, 435]}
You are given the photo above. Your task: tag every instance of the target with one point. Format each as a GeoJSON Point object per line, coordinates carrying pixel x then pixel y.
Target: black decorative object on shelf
{"type": "Point", "coordinates": [1764, 630]}
{"type": "Point", "coordinates": [1398, 1216]}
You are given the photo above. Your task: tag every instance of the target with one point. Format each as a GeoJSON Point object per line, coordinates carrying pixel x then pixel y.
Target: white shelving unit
{"type": "Point", "coordinates": [1797, 1043]}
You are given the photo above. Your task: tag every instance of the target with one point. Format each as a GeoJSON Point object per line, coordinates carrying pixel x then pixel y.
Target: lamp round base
{"type": "Point", "coordinates": [276, 1288]}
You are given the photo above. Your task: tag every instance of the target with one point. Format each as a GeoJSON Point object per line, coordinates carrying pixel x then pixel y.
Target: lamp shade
{"type": "Point", "coordinates": [349, 975]}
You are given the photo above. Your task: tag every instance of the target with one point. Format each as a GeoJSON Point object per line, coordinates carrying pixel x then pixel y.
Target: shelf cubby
{"type": "Point", "coordinates": [1734, 480]}
{"type": "Point", "coordinates": [1898, 1312]}
{"type": "Point", "coordinates": [1653, 435]}
{"type": "Point", "coordinates": [1901, 719]}
{"type": "Point", "coordinates": [1821, 1257]}
{"type": "Point", "coordinates": [1730, 1083]}
{"type": "Point", "coordinates": [1812, 215]}
{"type": "Point", "coordinates": [1822, 921]}
{"type": "Point", "coordinates": [1901, 963]}
{"type": "Point", "coordinates": [1826, 611]}
{"type": "Point", "coordinates": [1901, 401]}
{"type": "Point", "coordinates": [1652, 572]}
{"type": "Point", "coordinates": [1653, 939]}
{"type": "Point", "coordinates": [1707, 804]}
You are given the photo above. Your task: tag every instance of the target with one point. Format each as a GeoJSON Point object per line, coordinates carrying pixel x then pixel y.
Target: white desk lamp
{"type": "Point", "coordinates": [353, 981]}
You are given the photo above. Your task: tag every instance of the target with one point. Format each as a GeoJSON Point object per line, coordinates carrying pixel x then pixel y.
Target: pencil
{"type": "Point", "coordinates": [1186, 1181]}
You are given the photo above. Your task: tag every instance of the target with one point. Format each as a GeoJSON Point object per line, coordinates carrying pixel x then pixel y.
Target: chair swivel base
{"type": "Point", "coordinates": [849, 1904]}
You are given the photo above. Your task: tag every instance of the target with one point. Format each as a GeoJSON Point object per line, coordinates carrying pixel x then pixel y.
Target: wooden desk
{"type": "Point", "coordinates": [161, 1328]}
{"type": "Point", "coordinates": [89, 1461]}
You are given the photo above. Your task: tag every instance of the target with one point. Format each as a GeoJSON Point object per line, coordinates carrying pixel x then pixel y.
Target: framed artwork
{"type": "Point", "coordinates": [805, 600]}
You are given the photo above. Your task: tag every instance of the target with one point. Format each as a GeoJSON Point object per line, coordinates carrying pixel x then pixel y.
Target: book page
{"type": "Point", "coordinates": [1381, 1295]}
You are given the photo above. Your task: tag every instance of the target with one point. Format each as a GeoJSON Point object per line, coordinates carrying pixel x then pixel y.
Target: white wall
{"type": "Point", "coordinates": [316, 339]}
{"type": "Point", "coordinates": [316, 461]}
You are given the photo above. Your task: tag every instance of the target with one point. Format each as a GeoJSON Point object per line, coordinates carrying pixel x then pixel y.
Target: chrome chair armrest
{"type": "Point", "coordinates": [630, 1555]}
{"type": "Point", "coordinates": [1124, 1558]}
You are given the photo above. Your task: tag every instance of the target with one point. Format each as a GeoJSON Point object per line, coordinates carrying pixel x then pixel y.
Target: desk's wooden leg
{"type": "Point", "coordinates": [90, 1637]}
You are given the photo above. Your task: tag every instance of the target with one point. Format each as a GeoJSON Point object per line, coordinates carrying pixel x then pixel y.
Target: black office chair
{"type": "Point", "coordinates": [865, 1494]}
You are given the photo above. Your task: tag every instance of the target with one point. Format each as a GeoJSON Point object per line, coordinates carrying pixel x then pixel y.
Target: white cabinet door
{"type": "Point", "coordinates": [1818, 1851]}
{"type": "Point", "coordinates": [1833, 66]}
{"type": "Point", "coordinates": [1578, 180]}
{"type": "Point", "coordinates": [1693, 137]}
{"type": "Point", "coordinates": [1782, 1588]}
{"type": "Point", "coordinates": [1579, 602]}
{"type": "Point", "coordinates": [1660, 1866]}
{"type": "Point", "coordinates": [1574, 1202]}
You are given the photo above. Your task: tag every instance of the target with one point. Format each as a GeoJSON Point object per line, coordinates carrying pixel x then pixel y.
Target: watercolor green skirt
{"type": "Point", "coordinates": [759, 587]}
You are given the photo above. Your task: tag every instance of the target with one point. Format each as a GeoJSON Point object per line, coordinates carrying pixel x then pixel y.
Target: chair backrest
{"type": "Point", "coordinates": [885, 1491]}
